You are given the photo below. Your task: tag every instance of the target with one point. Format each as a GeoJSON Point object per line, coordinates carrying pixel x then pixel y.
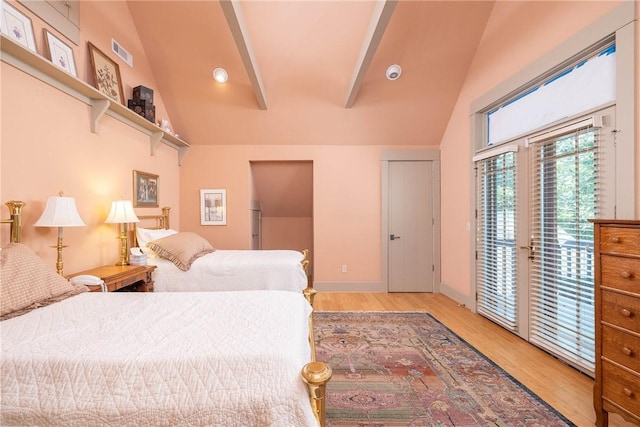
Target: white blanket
{"type": "Point", "coordinates": [233, 270]}
{"type": "Point", "coordinates": [223, 359]}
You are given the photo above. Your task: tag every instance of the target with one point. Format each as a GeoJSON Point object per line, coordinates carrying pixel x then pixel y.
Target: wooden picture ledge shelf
{"type": "Point", "coordinates": [42, 69]}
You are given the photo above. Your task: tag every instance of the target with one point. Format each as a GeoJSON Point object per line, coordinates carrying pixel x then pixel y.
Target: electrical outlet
{"type": "Point", "coordinates": [344, 268]}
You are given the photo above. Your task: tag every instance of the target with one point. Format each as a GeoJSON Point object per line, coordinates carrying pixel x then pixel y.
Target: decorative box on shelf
{"type": "Point", "coordinates": [144, 108]}
{"type": "Point", "coordinates": [143, 93]}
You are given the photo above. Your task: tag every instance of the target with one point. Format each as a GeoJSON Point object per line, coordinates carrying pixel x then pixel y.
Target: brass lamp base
{"type": "Point", "coordinates": [124, 246]}
{"type": "Point", "coordinates": [59, 248]}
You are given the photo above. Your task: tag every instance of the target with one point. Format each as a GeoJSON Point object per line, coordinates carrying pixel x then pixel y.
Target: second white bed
{"type": "Point", "coordinates": [233, 270]}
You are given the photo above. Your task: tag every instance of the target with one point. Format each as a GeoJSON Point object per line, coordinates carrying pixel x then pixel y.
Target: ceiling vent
{"type": "Point", "coordinates": [122, 52]}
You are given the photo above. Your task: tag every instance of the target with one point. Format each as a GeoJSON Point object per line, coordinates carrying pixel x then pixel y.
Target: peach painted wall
{"type": "Point", "coordinates": [347, 210]}
{"type": "Point", "coordinates": [288, 233]}
{"type": "Point", "coordinates": [517, 34]}
{"type": "Point", "coordinates": [47, 146]}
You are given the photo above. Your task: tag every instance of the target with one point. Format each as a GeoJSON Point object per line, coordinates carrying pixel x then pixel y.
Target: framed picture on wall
{"type": "Point", "coordinates": [106, 74]}
{"type": "Point", "coordinates": [59, 53]}
{"type": "Point", "coordinates": [17, 26]}
{"type": "Point", "coordinates": [145, 188]}
{"type": "Point", "coordinates": [213, 207]}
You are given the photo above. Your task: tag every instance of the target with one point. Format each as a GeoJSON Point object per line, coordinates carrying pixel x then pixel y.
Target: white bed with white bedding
{"type": "Point", "coordinates": [232, 270]}
{"type": "Point", "coordinates": [186, 261]}
{"type": "Point", "coordinates": [158, 359]}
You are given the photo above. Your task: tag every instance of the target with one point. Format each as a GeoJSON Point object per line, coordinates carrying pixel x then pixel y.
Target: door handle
{"type": "Point", "coordinates": [531, 249]}
{"type": "Point", "coordinates": [393, 237]}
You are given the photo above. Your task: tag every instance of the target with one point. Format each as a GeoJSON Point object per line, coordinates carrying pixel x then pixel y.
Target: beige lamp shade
{"type": "Point", "coordinates": [121, 213]}
{"type": "Point", "coordinates": [60, 212]}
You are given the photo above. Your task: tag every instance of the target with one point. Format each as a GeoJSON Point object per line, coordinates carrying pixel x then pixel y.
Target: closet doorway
{"type": "Point", "coordinates": [282, 192]}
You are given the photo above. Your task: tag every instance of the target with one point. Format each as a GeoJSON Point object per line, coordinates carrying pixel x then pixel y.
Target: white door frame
{"type": "Point", "coordinates": [410, 155]}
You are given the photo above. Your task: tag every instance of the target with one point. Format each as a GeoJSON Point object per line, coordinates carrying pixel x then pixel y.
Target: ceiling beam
{"type": "Point", "coordinates": [233, 13]}
{"type": "Point", "coordinates": [379, 19]}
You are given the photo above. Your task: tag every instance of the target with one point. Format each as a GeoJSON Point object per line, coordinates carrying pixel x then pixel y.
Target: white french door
{"type": "Point", "coordinates": [534, 246]}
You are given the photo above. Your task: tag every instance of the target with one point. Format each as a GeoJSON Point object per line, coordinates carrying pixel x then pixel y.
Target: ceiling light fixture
{"type": "Point", "coordinates": [220, 75]}
{"type": "Point", "coordinates": [393, 72]}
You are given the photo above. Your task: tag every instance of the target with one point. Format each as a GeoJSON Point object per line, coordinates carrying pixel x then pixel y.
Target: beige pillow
{"type": "Point", "coordinates": [27, 282]}
{"type": "Point", "coordinates": [146, 235]}
{"type": "Point", "coordinates": [182, 248]}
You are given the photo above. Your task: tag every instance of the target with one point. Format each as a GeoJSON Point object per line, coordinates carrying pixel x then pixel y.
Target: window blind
{"type": "Point", "coordinates": [496, 244]}
{"type": "Point", "coordinates": [565, 193]}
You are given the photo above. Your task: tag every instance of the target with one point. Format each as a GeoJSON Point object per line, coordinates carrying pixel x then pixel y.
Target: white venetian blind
{"type": "Point", "coordinates": [565, 170]}
{"type": "Point", "coordinates": [495, 247]}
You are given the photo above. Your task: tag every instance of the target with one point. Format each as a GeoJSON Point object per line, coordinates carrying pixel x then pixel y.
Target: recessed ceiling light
{"type": "Point", "coordinates": [393, 72]}
{"type": "Point", "coordinates": [220, 75]}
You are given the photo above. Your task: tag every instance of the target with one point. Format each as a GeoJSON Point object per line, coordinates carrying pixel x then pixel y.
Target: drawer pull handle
{"type": "Point", "coordinates": [627, 392]}
{"type": "Point", "coordinates": [625, 312]}
{"type": "Point", "coordinates": [627, 351]}
{"type": "Point", "coordinates": [626, 274]}
{"type": "Point", "coordinates": [615, 240]}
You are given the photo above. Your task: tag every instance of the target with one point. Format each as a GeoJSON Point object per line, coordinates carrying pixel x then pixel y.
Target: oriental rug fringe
{"type": "Point", "coordinates": [408, 369]}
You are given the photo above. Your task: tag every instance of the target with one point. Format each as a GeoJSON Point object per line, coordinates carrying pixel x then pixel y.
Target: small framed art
{"type": "Point", "coordinates": [145, 187]}
{"type": "Point", "coordinates": [17, 26]}
{"type": "Point", "coordinates": [59, 53]}
{"type": "Point", "coordinates": [106, 74]}
{"type": "Point", "coordinates": [213, 207]}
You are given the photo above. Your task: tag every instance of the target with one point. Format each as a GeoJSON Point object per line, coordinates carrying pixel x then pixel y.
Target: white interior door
{"type": "Point", "coordinates": [411, 225]}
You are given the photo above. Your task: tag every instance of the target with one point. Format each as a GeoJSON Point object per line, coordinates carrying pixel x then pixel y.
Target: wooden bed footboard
{"type": "Point", "coordinates": [15, 212]}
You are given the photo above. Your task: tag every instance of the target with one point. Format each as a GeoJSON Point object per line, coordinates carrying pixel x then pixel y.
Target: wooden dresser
{"type": "Point", "coordinates": [617, 317]}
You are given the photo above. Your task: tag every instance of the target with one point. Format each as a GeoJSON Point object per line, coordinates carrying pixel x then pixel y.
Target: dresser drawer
{"type": "Point", "coordinates": [621, 347]}
{"type": "Point", "coordinates": [621, 240]}
{"type": "Point", "coordinates": [621, 273]}
{"type": "Point", "coordinates": [621, 310]}
{"type": "Point", "coordinates": [621, 387]}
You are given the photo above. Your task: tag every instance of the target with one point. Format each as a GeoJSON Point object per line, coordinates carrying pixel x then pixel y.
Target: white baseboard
{"type": "Point", "coordinates": [349, 287]}
{"type": "Point", "coordinates": [461, 299]}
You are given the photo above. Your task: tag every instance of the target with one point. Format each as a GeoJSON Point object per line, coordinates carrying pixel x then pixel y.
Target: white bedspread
{"type": "Point", "coordinates": [233, 270]}
{"type": "Point", "coordinates": [146, 359]}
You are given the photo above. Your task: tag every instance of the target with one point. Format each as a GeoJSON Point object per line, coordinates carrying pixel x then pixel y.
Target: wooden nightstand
{"type": "Point", "coordinates": [123, 278]}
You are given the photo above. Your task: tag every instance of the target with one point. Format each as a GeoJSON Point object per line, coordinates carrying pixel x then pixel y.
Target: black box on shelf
{"type": "Point", "coordinates": [144, 108]}
{"type": "Point", "coordinates": [143, 93]}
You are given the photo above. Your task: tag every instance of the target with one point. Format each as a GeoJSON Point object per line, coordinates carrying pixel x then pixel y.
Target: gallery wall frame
{"type": "Point", "coordinates": [59, 53]}
{"type": "Point", "coordinates": [17, 26]}
{"type": "Point", "coordinates": [145, 189]}
{"type": "Point", "coordinates": [213, 207]}
{"type": "Point", "coordinates": [106, 74]}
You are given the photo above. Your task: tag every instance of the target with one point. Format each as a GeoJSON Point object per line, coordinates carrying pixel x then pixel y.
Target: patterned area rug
{"type": "Point", "coordinates": [408, 369]}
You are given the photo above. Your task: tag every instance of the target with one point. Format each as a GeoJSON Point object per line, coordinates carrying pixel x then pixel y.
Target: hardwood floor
{"type": "Point", "coordinates": [563, 387]}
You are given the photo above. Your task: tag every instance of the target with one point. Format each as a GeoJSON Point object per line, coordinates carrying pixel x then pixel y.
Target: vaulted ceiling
{"type": "Point", "coordinates": [293, 62]}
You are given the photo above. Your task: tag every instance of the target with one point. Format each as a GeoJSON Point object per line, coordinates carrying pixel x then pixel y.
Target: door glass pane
{"type": "Point", "coordinates": [564, 190]}
{"type": "Point", "coordinates": [496, 247]}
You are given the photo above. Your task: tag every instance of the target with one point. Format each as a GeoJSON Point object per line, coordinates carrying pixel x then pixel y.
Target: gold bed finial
{"type": "Point", "coordinates": [15, 212]}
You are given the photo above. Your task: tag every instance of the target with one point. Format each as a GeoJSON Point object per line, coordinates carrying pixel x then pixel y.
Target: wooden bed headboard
{"type": "Point", "coordinates": [161, 222]}
{"type": "Point", "coordinates": [15, 211]}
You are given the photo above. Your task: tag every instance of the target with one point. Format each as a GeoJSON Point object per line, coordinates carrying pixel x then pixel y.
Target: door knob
{"type": "Point", "coordinates": [393, 237]}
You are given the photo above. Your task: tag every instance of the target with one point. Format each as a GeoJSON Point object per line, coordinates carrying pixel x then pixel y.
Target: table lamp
{"type": "Point", "coordinates": [60, 212]}
{"type": "Point", "coordinates": [122, 213]}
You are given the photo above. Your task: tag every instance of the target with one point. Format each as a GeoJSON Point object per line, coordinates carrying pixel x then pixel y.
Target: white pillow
{"type": "Point", "coordinates": [146, 235]}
